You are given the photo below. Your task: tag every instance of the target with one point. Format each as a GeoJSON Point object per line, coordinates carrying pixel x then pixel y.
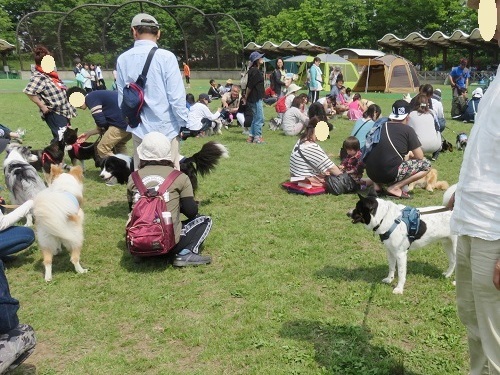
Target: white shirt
{"type": "Point", "coordinates": [197, 112]}
{"type": "Point", "coordinates": [164, 95]}
{"type": "Point", "coordinates": [6, 221]}
{"type": "Point", "coordinates": [477, 199]}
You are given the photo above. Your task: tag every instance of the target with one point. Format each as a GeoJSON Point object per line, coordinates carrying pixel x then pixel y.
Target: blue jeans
{"type": "Point", "coordinates": [15, 239]}
{"type": "Point", "coordinates": [258, 119]}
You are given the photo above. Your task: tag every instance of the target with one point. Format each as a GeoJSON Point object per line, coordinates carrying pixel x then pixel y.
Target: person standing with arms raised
{"type": "Point", "coordinates": [164, 94]}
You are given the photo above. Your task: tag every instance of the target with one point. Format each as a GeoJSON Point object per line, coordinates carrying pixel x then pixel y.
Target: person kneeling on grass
{"type": "Point", "coordinates": [397, 159]}
{"type": "Point", "coordinates": [155, 164]}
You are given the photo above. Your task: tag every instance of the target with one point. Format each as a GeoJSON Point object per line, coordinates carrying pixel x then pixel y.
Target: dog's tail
{"type": "Point", "coordinates": [204, 161]}
{"type": "Point", "coordinates": [442, 185]}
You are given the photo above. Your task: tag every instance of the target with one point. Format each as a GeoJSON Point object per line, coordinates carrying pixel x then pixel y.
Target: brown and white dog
{"type": "Point", "coordinates": [429, 182]}
{"type": "Point", "coordinates": [59, 217]}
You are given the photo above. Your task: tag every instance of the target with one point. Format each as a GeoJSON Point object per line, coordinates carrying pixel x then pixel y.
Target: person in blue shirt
{"type": "Point", "coordinates": [459, 77]}
{"type": "Point", "coordinates": [103, 105]}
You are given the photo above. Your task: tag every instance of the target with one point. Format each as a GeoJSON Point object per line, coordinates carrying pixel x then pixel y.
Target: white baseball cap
{"type": "Point", "coordinates": [144, 19]}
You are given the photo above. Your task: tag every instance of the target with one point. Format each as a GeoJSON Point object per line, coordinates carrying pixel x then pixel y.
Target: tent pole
{"type": "Point", "coordinates": [367, 76]}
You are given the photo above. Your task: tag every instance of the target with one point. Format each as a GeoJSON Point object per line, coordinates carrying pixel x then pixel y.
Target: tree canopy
{"type": "Point", "coordinates": [330, 23]}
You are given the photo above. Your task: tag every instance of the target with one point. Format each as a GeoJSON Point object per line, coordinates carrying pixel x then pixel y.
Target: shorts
{"type": "Point", "coordinates": [410, 167]}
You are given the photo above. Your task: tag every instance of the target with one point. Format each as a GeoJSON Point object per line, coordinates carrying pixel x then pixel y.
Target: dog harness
{"type": "Point", "coordinates": [411, 217]}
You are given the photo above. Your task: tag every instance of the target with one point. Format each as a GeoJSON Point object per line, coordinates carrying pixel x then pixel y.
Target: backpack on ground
{"type": "Point", "coordinates": [133, 95]}
{"type": "Point", "coordinates": [150, 231]}
{"type": "Point", "coordinates": [281, 104]}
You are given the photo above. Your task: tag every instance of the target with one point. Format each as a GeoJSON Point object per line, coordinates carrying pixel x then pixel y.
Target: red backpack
{"type": "Point", "coordinates": [281, 105]}
{"type": "Point", "coordinates": [150, 230]}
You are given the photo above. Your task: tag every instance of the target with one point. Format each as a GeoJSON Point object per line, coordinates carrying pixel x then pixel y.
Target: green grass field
{"type": "Point", "coordinates": [294, 287]}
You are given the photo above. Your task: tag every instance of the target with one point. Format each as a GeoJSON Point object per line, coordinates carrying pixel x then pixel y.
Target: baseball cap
{"type": "Point", "coordinates": [477, 93]}
{"type": "Point", "coordinates": [3, 144]}
{"type": "Point", "coordinates": [400, 109]}
{"type": "Point", "coordinates": [144, 19]}
{"type": "Point", "coordinates": [204, 96]}
{"type": "Point", "coordinates": [255, 56]}
{"type": "Point", "coordinates": [154, 146]}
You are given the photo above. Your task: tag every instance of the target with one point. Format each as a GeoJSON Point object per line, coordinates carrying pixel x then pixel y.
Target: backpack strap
{"type": "Point", "coordinates": [168, 181]}
{"type": "Point", "coordinates": [141, 80]}
{"type": "Point", "coordinates": [138, 183]}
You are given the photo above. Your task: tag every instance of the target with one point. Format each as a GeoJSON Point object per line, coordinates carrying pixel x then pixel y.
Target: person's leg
{"type": "Point", "coordinates": [15, 239]}
{"type": "Point", "coordinates": [467, 308]}
{"type": "Point", "coordinates": [114, 139]}
{"type": "Point", "coordinates": [136, 141]}
{"type": "Point", "coordinates": [251, 134]}
{"type": "Point", "coordinates": [483, 257]}
{"type": "Point", "coordinates": [408, 172]}
{"type": "Point", "coordinates": [56, 122]}
{"type": "Point", "coordinates": [258, 121]}
{"type": "Point", "coordinates": [193, 233]}
{"type": "Point", "coordinates": [16, 346]}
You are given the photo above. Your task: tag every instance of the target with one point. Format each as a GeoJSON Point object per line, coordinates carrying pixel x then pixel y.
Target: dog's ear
{"type": "Point", "coordinates": [55, 171]}
{"type": "Point", "coordinates": [77, 172]}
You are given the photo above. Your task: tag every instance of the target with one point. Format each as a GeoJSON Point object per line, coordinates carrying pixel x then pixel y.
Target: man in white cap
{"type": "Point", "coordinates": [154, 166]}
{"type": "Point", "coordinates": [476, 221]}
{"type": "Point", "coordinates": [164, 94]}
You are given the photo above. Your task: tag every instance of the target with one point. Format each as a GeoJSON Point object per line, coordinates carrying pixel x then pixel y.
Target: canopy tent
{"type": "Point", "coordinates": [328, 62]}
{"type": "Point", "coordinates": [285, 48]}
{"type": "Point", "coordinates": [5, 48]}
{"type": "Point", "coordinates": [389, 73]}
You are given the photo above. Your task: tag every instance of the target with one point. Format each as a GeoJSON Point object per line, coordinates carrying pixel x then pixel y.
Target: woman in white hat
{"type": "Point", "coordinates": [472, 105]}
{"type": "Point", "coordinates": [155, 165]}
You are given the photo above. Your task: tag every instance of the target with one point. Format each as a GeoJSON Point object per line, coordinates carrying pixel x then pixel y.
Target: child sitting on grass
{"type": "Point", "coordinates": [353, 164]}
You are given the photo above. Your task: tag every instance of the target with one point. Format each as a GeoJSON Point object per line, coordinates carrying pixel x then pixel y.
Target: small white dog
{"type": "Point", "coordinates": [59, 217]}
{"type": "Point", "coordinates": [383, 218]}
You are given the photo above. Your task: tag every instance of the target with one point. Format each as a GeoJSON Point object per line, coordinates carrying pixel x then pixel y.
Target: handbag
{"type": "Point", "coordinates": [341, 184]}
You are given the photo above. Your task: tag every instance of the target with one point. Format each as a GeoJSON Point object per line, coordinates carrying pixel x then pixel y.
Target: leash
{"type": "Point", "coordinates": [437, 210]}
{"type": "Point", "coordinates": [10, 206]}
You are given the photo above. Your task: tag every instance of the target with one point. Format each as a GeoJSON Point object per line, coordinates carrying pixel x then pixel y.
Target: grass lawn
{"type": "Point", "coordinates": [294, 287]}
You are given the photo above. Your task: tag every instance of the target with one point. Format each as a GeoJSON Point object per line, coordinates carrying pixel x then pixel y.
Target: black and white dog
{"type": "Point", "coordinates": [203, 162]}
{"type": "Point", "coordinates": [462, 141]}
{"type": "Point", "coordinates": [384, 218]}
{"type": "Point", "coordinates": [21, 178]}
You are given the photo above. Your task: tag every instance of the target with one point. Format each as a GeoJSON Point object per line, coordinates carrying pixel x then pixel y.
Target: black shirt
{"type": "Point", "coordinates": [255, 85]}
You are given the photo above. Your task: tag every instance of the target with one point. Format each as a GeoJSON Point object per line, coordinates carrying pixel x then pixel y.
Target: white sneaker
{"type": "Point", "coordinates": [245, 132]}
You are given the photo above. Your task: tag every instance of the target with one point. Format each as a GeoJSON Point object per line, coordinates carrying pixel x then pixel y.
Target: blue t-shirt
{"type": "Point", "coordinates": [460, 75]}
{"type": "Point", "coordinates": [361, 128]}
{"type": "Point", "coordinates": [109, 114]}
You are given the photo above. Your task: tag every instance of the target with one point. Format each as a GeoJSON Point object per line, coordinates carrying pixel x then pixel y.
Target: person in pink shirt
{"type": "Point", "coordinates": [356, 110]}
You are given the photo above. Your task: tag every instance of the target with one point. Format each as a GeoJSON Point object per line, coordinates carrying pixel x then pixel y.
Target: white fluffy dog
{"type": "Point", "coordinates": [384, 218]}
{"type": "Point", "coordinates": [59, 217]}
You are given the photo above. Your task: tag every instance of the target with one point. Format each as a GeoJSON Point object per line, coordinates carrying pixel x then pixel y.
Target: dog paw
{"type": "Point", "coordinates": [48, 279]}
{"type": "Point", "coordinates": [387, 280]}
{"type": "Point", "coordinates": [397, 290]}
{"type": "Point", "coordinates": [83, 270]}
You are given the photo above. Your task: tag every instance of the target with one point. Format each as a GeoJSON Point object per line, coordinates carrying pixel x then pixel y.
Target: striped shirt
{"type": "Point", "coordinates": [53, 97]}
{"type": "Point", "coordinates": [314, 155]}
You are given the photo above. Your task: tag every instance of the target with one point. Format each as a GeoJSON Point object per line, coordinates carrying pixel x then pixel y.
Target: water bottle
{"type": "Point", "coordinates": [167, 217]}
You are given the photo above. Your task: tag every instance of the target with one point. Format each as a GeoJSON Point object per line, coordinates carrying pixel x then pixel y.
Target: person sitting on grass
{"type": "Point", "coordinates": [387, 163]}
{"type": "Point", "coordinates": [459, 104]}
{"type": "Point", "coordinates": [308, 162]}
{"type": "Point", "coordinates": [200, 119]}
{"type": "Point", "coordinates": [154, 166]}
{"type": "Point", "coordinates": [353, 164]}
{"type": "Point", "coordinates": [356, 109]}
{"type": "Point", "coordinates": [294, 119]}
{"type": "Point", "coordinates": [363, 125]}
{"type": "Point", "coordinates": [213, 91]}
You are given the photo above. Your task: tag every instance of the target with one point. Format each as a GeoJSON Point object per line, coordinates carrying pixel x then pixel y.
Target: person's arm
{"type": "Point", "coordinates": [418, 154]}
{"type": "Point", "coordinates": [84, 136]}
{"type": "Point", "coordinates": [452, 82]}
{"type": "Point", "coordinates": [333, 170]}
{"type": "Point", "coordinates": [6, 221]}
{"type": "Point", "coordinates": [40, 104]}
{"type": "Point", "coordinates": [188, 207]}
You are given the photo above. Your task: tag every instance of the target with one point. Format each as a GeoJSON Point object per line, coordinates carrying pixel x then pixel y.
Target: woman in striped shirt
{"type": "Point", "coordinates": [308, 162]}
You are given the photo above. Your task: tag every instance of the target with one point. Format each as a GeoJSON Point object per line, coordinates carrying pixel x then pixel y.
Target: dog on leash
{"type": "Point", "coordinates": [429, 182]}
{"type": "Point", "coordinates": [59, 217]}
{"type": "Point", "coordinates": [79, 151]}
{"type": "Point", "coordinates": [21, 178]}
{"type": "Point", "coordinates": [462, 141]}
{"type": "Point", "coordinates": [384, 218]}
{"type": "Point", "coordinates": [203, 162]}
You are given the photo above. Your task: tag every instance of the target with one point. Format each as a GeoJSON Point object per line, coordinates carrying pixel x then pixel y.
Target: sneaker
{"type": "Point", "coordinates": [258, 140]}
{"type": "Point", "coordinates": [191, 259]}
{"type": "Point", "coordinates": [245, 132]}
{"type": "Point", "coordinates": [250, 139]}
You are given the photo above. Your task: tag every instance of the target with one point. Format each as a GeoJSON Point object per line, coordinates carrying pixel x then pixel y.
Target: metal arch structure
{"type": "Point", "coordinates": [114, 9]}
{"type": "Point", "coordinates": [26, 16]}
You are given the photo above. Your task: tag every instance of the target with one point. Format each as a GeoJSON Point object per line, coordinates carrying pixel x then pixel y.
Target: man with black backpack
{"type": "Point", "coordinates": [164, 94]}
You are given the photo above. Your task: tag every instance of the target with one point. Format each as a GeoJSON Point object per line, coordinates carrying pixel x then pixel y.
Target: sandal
{"type": "Point", "coordinates": [404, 195]}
